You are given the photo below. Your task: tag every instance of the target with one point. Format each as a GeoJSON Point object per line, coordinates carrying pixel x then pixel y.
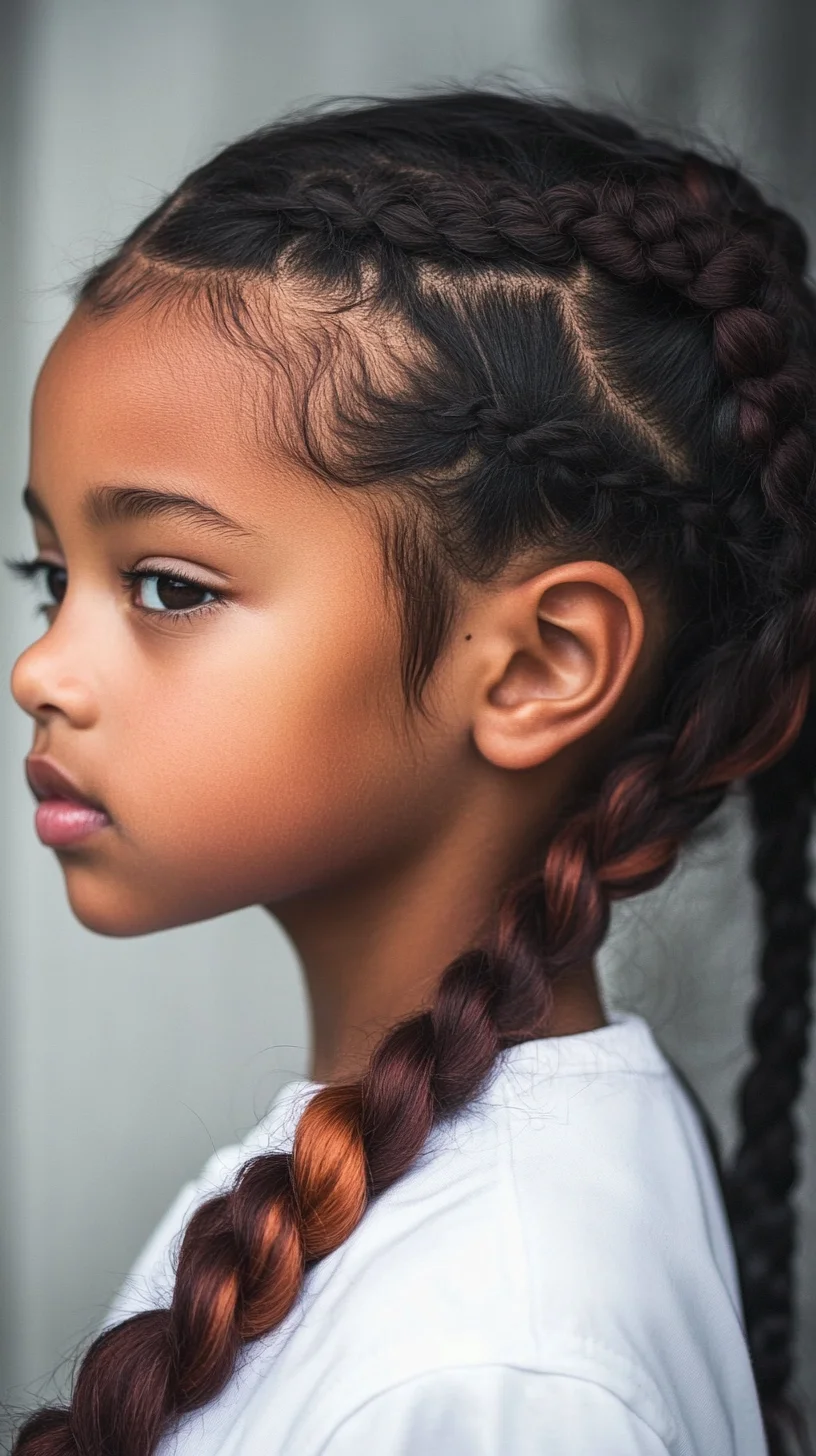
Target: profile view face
{"type": "Point", "coordinates": [236, 707]}
{"type": "Point", "coordinates": [221, 672]}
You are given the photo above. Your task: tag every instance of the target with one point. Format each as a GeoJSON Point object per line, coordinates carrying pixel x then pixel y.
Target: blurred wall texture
{"type": "Point", "coordinates": [123, 1063]}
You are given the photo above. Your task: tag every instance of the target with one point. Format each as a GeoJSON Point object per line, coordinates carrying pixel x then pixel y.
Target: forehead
{"type": "Point", "coordinates": [141, 391]}
{"type": "Point", "coordinates": [163, 400]}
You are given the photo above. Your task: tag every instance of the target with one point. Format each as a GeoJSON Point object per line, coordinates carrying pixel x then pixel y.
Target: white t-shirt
{"type": "Point", "coordinates": [554, 1275]}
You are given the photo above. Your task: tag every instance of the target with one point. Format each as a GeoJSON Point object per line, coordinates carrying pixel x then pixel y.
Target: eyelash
{"type": "Point", "coordinates": [30, 569]}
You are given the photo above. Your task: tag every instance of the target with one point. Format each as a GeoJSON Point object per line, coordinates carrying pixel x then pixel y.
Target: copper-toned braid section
{"type": "Point", "coordinates": [329, 1168]}
{"type": "Point", "coordinates": [269, 1242]}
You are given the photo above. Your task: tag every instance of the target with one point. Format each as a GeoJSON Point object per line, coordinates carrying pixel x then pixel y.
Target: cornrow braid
{"type": "Point", "coordinates": [639, 237]}
{"type": "Point", "coordinates": [495, 190]}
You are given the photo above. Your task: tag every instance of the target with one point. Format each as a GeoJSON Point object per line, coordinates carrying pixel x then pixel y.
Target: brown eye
{"type": "Point", "coordinates": [171, 593]}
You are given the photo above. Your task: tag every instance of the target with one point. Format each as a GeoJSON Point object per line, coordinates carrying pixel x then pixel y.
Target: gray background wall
{"type": "Point", "coordinates": [122, 1064]}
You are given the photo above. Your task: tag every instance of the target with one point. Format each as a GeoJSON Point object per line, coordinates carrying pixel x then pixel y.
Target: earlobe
{"type": "Point", "coordinates": [563, 645]}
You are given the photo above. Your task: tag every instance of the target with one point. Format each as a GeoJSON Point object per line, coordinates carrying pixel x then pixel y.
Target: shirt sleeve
{"type": "Point", "coordinates": [492, 1410]}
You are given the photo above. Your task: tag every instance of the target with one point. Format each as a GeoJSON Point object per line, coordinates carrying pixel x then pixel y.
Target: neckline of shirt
{"type": "Point", "coordinates": [625, 1044]}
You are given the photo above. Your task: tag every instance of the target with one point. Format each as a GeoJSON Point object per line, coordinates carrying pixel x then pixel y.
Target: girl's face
{"type": "Point", "coordinates": [249, 747]}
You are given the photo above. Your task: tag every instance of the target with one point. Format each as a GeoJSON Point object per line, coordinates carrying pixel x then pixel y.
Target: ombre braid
{"type": "Point", "coordinates": [460, 183]}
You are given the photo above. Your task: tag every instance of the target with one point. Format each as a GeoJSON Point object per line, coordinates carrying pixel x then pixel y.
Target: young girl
{"type": "Point", "coordinates": [425, 492]}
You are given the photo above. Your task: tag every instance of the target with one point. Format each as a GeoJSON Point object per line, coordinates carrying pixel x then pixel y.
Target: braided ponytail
{"type": "Point", "coordinates": [766, 1166]}
{"type": "Point", "coordinates": [621, 359]}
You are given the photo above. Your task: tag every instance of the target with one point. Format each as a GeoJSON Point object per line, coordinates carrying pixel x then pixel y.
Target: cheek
{"type": "Point", "coordinates": [279, 767]}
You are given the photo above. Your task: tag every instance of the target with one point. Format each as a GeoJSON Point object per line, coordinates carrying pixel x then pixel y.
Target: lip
{"type": "Point", "coordinates": [47, 781]}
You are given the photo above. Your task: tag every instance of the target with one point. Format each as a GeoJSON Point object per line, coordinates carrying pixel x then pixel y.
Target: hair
{"type": "Point", "coordinates": [518, 326]}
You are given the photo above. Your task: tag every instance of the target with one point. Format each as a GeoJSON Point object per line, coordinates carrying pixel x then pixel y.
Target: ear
{"type": "Point", "coordinates": [557, 651]}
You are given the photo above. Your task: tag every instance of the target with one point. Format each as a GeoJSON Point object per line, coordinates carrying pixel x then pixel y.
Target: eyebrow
{"type": "Point", "coordinates": [106, 505]}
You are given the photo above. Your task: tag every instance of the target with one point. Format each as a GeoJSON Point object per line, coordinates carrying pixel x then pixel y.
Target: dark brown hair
{"type": "Point", "coordinates": [597, 342]}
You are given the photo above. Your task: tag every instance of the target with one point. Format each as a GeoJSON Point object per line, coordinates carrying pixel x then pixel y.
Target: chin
{"type": "Point", "coordinates": [107, 920]}
{"type": "Point", "coordinates": [106, 905]}
{"type": "Point", "coordinates": [106, 908]}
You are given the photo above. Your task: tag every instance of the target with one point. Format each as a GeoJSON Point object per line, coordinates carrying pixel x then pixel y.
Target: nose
{"type": "Point", "coordinates": [46, 680]}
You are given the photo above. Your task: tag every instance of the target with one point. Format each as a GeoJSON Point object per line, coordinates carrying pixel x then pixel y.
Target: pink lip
{"type": "Point", "coordinates": [48, 781]}
{"type": "Point", "coordinates": [64, 821]}
{"type": "Point", "coordinates": [64, 813]}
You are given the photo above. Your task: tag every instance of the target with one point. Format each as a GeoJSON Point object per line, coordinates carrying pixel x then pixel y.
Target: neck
{"type": "Point", "coordinates": [366, 971]}
{"type": "Point", "coordinates": [374, 943]}
{"type": "Point", "coordinates": [342, 1045]}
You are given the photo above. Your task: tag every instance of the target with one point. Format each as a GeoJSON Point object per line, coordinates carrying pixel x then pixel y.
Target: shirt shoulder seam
{"type": "Point", "coordinates": [483, 1366]}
